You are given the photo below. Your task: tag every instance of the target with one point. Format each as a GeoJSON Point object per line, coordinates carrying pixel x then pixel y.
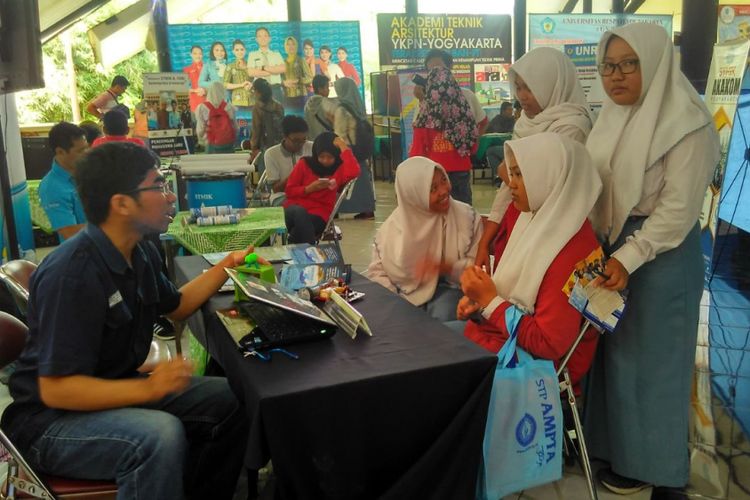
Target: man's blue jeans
{"type": "Point", "coordinates": [460, 186]}
{"type": "Point", "coordinates": [188, 445]}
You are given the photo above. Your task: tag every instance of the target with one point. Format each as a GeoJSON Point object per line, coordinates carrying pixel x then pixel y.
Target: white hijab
{"type": "Point", "coordinates": [412, 233]}
{"type": "Point", "coordinates": [628, 140]}
{"type": "Point", "coordinates": [552, 78]}
{"type": "Point", "coordinates": [562, 186]}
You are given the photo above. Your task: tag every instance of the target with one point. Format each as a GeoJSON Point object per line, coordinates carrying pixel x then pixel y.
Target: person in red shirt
{"type": "Point", "coordinates": [115, 125]}
{"type": "Point", "coordinates": [554, 187]}
{"type": "Point", "coordinates": [193, 70]}
{"type": "Point", "coordinates": [313, 185]}
{"type": "Point", "coordinates": [445, 131]}
{"type": "Point", "coordinates": [347, 67]}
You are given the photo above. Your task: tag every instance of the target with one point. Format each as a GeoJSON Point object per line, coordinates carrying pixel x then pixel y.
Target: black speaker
{"type": "Point", "coordinates": [20, 46]}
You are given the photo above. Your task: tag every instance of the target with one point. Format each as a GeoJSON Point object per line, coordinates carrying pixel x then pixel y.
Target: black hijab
{"type": "Point", "coordinates": [324, 144]}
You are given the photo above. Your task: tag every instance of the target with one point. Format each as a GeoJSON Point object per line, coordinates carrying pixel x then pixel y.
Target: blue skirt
{"type": "Point", "coordinates": [638, 396]}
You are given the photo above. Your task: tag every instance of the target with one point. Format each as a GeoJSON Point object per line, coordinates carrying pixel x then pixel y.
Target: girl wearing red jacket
{"type": "Point", "coordinates": [554, 187]}
{"type": "Point", "coordinates": [313, 185]}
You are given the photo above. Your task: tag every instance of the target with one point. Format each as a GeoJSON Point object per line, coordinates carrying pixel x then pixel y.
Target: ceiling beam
{"type": "Point", "coordinates": [569, 6]}
{"type": "Point", "coordinates": [633, 6]}
{"type": "Point", "coordinates": [69, 20]}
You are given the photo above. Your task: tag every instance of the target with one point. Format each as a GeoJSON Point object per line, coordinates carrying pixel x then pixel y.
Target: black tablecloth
{"type": "Point", "coordinates": [398, 415]}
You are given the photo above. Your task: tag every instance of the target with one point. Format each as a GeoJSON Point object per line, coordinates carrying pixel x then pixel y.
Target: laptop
{"type": "Point", "coordinates": [280, 317]}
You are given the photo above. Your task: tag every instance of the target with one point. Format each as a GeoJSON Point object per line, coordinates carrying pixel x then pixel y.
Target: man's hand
{"type": "Point", "coordinates": [169, 377]}
{"type": "Point", "coordinates": [466, 307]}
{"type": "Point", "coordinates": [478, 286]}
{"type": "Point", "coordinates": [615, 276]}
{"type": "Point", "coordinates": [237, 258]}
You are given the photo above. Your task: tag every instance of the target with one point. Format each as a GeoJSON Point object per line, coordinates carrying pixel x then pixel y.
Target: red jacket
{"type": "Point", "coordinates": [432, 144]}
{"type": "Point", "coordinates": [550, 331]}
{"type": "Point", "coordinates": [321, 202]}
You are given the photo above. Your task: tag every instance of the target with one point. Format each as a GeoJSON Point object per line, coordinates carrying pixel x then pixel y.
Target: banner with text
{"type": "Point", "coordinates": [733, 24]}
{"type": "Point", "coordinates": [167, 107]}
{"type": "Point", "coordinates": [286, 54]}
{"type": "Point", "coordinates": [722, 94]}
{"type": "Point", "coordinates": [558, 30]}
{"type": "Point", "coordinates": [405, 40]}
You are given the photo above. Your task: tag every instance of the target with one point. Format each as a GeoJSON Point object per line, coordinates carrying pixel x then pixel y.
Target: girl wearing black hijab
{"type": "Point", "coordinates": [313, 186]}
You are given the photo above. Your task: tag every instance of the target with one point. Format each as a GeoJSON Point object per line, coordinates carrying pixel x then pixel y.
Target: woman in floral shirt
{"type": "Point", "coordinates": [445, 131]}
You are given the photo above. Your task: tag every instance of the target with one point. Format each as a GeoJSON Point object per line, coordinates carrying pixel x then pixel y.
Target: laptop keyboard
{"type": "Point", "coordinates": [280, 327]}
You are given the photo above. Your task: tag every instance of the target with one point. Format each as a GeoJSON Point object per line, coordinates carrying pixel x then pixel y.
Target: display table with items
{"type": "Point", "coordinates": [399, 414]}
{"type": "Point", "coordinates": [254, 226]}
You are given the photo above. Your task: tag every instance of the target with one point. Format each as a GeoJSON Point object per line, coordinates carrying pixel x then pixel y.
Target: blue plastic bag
{"type": "Point", "coordinates": [523, 437]}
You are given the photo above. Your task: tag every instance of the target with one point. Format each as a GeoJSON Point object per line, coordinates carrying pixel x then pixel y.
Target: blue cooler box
{"type": "Point", "coordinates": [216, 190]}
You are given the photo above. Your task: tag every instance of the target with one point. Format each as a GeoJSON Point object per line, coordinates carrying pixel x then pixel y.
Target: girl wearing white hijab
{"type": "Point", "coordinates": [554, 186]}
{"type": "Point", "coordinates": [656, 148]}
{"type": "Point", "coordinates": [423, 247]}
{"type": "Point", "coordinates": [546, 84]}
{"type": "Point", "coordinates": [216, 96]}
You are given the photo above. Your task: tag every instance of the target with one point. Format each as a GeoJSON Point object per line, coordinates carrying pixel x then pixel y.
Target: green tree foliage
{"type": "Point", "coordinates": [52, 103]}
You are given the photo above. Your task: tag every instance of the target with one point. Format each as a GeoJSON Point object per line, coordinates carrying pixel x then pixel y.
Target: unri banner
{"type": "Point", "coordinates": [558, 30]}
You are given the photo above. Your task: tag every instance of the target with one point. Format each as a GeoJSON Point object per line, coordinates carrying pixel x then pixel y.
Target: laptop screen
{"type": "Point", "coordinates": [271, 293]}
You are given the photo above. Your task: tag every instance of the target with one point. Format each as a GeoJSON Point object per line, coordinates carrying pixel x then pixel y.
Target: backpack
{"type": "Point", "coordinates": [272, 133]}
{"type": "Point", "coordinates": [363, 145]}
{"type": "Point", "coordinates": [219, 130]}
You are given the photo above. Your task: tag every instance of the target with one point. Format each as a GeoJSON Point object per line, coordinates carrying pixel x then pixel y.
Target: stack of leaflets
{"type": "Point", "coordinates": [602, 307]}
{"type": "Point", "coordinates": [346, 317]}
{"type": "Point", "coordinates": [314, 265]}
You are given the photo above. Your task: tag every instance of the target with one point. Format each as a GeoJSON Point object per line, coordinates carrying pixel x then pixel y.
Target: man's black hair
{"type": "Point", "coordinates": [309, 42]}
{"type": "Point", "coordinates": [262, 28]}
{"type": "Point", "coordinates": [446, 57]}
{"type": "Point", "coordinates": [505, 105]}
{"type": "Point", "coordinates": [262, 86]}
{"type": "Point", "coordinates": [292, 124]}
{"type": "Point", "coordinates": [110, 169]}
{"type": "Point", "coordinates": [121, 81]}
{"type": "Point", "coordinates": [92, 130]}
{"type": "Point", "coordinates": [320, 82]}
{"type": "Point", "coordinates": [324, 47]}
{"type": "Point", "coordinates": [63, 134]}
{"type": "Point", "coordinates": [115, 122]}
{"type": "Point", "coordinates": [196, 47]}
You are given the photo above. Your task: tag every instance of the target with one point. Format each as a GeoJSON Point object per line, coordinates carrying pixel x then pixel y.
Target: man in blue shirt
{"type": "Point", "coordinates": [57, 191]}
{"type": "Point", "coordinates": [80, 407]}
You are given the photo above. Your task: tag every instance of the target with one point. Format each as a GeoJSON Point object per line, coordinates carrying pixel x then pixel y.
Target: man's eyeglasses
{"type": "Point", "coordinates": [626, 67]}
{"type": "Point", "coordinates": [165, 189]}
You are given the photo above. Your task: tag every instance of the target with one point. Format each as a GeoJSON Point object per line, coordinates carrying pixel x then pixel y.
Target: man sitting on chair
{"type": "Point", "coordinates": [80, 408]}
{"type": "Point", "coordinates": [281, 158]}
{"type": "Point", "coordinates": [57, 191]}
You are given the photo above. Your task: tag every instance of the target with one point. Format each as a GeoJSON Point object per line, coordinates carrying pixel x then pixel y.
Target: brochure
{"type": "Point", "coordinates": [602, 307]}
{"type": "Point", "coordinates": [297, 276]}
{"type": "Point", "coordinates": [346, 317]}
